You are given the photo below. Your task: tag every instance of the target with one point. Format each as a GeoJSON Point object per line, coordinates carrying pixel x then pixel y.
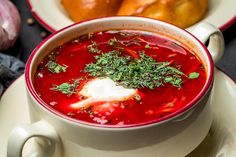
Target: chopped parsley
{"type": "Point", "coordinates": [66, 88]}
{"type": "Point", "coordinates": [93, 47]}
{"type": "Point", "coordinates": [134, 41]}
{"type": "Point", "coordinates": [142, 72]}
{"type": "Point", "coordinates": [193, 75]}
{"type": "Point", "coordinates": [127, 34]}
{"type": "Point", "coordinates": [54, 67]}
{"type": "Point", "coordinates": [113, 42]}
{"type": "Point", "coordinates": [52, 55]}
{"type": "Point", "coordinates": [147, 46]}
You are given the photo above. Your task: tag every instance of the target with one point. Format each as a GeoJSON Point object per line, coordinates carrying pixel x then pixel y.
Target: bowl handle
{"type": "Point", "coordinates": [21, 134]}
{"type": "Point", "coordinates": [207, 32]}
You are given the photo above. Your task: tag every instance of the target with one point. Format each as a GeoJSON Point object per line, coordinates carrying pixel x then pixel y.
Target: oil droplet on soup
{"type": "Point", "coordinates": [119, 77]}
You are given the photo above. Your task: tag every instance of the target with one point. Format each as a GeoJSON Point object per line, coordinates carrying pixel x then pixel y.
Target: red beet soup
{"type": "Point", "coordinates": [119, 77]}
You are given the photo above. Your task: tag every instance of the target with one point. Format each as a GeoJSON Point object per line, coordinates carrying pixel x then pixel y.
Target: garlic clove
{"type": "Point", "coordinates": [9, 24]}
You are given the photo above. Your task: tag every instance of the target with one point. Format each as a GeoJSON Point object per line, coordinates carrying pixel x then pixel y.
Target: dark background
{"type": "Point", "coordinates": [31, 36]}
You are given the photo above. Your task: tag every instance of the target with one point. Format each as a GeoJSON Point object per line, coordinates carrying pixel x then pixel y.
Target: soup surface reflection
{"type": "Point", "coordinates": [119, 77]}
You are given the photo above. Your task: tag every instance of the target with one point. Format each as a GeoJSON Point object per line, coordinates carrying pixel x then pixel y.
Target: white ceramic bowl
{"type": "Point", "coordinates": [181, 131]}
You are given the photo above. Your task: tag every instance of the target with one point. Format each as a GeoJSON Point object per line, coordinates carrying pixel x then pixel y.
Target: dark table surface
{"type": "Point", "coordinates": [31, 36]}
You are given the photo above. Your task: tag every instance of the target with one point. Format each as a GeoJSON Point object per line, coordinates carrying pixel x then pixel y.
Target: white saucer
{"type": "Point", "coordinates": [220, 142]}
{"type": "Point", "coordinates": [52, 16]}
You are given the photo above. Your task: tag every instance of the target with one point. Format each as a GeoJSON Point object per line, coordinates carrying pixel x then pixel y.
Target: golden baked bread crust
{"type": "Point", "coordinates": [182, 13]}
{"type": "Point", "coordinates": [86, 9]}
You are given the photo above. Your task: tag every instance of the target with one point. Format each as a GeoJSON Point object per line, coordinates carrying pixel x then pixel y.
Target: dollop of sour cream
{"type": "Point", "coordinates": [103, 89]}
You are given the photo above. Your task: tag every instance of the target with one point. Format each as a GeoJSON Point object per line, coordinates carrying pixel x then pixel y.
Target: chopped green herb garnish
{"type": "Point", "coordinates": [52, 55]}
{"type": "Point", "coordinates": [193, 75]}
{"type": "Point", "coordinates": [127, 34]}
{"type": "Point", "coordinates": [142, 72]}
{"type": "Point", "coordinates": [93, 47]}
{"type": "Point", "coordinates": [89, 111]}
{"type": "Point", "coordinates": [66, 88]}
{"type": "Point", "coordinates": [133, 41]}
{"type": "Point", "coordinates": [113, 42]}
{"type": "Point", "coordinates": [147, 46]}
{"type": "Point", "coordinates": [55, 67]}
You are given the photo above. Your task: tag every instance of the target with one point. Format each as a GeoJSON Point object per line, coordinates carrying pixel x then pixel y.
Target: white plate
{"type": "Point", "coordinates": [220, 142]}
{"type": "Point", "coordinates": [52, 16]}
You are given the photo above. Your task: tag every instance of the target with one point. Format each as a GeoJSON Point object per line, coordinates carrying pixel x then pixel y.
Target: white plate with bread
{"type": "Point", "coordinates": [57, 14]}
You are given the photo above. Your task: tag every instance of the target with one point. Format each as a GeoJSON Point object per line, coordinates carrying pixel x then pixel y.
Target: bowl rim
{"type": "Point", "coordinates": [57, 114]}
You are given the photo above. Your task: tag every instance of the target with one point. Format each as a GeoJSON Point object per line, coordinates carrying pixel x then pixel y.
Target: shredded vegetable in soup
{"type": "Point", "coordinates": [119, 77]}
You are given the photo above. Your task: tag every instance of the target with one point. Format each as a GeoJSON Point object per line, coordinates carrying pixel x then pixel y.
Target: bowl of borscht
{"type": "Point", "coordinates": [123, 86]}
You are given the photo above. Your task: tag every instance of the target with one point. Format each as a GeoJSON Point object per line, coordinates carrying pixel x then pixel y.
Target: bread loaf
{"type": "Point", "coordinates": [182, 13]}
{"type": "Point", "coordinates": [79, 10]}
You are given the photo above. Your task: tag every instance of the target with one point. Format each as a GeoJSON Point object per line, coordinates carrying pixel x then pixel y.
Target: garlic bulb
{"type": "Point", "coordinates": [9, 24]}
